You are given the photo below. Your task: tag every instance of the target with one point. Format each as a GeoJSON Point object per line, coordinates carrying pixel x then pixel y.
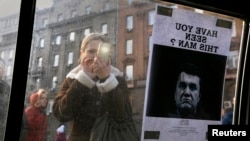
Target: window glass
{"type": "Point", "coordinates": [129, 46]}
{"type": "Point", "coordinates": [41, 43]}
{"type": "Point", "coordinates": [56, 60]}
{"type": "Point", "coordinates": [129, 72]}
{"type": "Point", "coordinates": [9, 19]}
{"type": "Point", "coordinates": [11, 54]}
{"type": "Point", "coordinates": [150, 43]}
{"type": "Point", "coordinates": [131, 22]}
{"type": "Point", "coordinates": [72, 36]}
{"type": "Point", "coordinates": [70, 58]}
{"type": "Point", "coordinates": [88, 10]}
{"type": "Point", "coordinates": [105, 5]}
{"type": "Point", "coordinates": [40, 62]}
{"type": "Point", "coordinates": [58, 40]}
{"type": "Point", "coordinates": [73, 14]}
{"type": "Point", "coordinates": [45, 22]}
{"type": "Point", "coordinates": [2, 54]}
{"type": "Point", "coordinates": [37, 83]}
{"type": "Point", "coordinates": [54, 81]}
{"type": "Point", "coordinates": [9, 71]}
{"type": "Point", "coordinates": [86, 31]}
{"type": "Point", "coordinates": [151, 17]}
{"type": "Point", "coordinates": [105, 29]}
{"type": "Point", "coordinates": [60, 17]}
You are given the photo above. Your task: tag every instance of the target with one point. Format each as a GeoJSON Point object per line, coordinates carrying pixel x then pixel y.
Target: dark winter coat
{"type": "Point", "coordinates": [81, 100]}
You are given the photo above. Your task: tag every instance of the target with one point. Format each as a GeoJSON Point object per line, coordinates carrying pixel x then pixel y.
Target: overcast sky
{"type": "Point", "coordinates": [8, 7]}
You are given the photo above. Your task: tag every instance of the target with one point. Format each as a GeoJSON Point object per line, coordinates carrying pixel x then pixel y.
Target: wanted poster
{"type": "Point", "coordinates": [186, 75]}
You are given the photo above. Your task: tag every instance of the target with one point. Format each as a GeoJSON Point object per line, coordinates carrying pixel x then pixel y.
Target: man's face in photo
{"type": "Point", "coordinates": [187, 93]}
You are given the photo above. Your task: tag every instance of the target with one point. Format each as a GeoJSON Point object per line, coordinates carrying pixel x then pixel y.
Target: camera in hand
{"type": "Point", "coordinates": [104, 51]}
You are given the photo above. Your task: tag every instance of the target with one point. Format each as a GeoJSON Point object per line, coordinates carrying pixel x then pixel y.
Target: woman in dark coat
{"type": "Point", "coordinates": [90, 90]}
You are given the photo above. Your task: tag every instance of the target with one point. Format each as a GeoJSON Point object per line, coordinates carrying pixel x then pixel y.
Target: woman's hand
{"type": "Point", "coordinates": [101, 68]}
{"type": "Point", "coordinates": [88, 66]}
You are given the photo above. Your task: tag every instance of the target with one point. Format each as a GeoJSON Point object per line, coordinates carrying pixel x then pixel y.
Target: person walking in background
{"type": "Point", "coordinates": [60, 133]}
{"type": "Point", "coordinates": [92, 89]}
{"type": "Point", "coordinates": [36, 117]}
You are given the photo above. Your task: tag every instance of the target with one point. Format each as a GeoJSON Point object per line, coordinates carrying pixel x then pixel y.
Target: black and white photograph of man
{"type": "Point", "coordinates": [187, 84]}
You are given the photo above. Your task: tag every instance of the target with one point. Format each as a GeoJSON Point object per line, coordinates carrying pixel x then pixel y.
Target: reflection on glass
{"type": "Point", "coordinates": [9, 19]}
{"type": "Point", "coordinates": [60, 27]}
{"type": "Point", "coordinates": [4, 99]}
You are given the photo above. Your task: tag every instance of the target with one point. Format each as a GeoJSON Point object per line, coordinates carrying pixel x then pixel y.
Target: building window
{"type": "Point", "coordinates": [73, 14]}
{"type": "Point", "coordinates": [70, 58]}
{"type": "Point", "coordinates": [129, 23]}
{"type": "Point", "coordinates": [9, 70]}
{"type": "Point", "coordinates": [151, 16]}
{"type": "Point", "coordinates": [104, 28]}
{"type": "Point", "coordinates": [2, 54]}
{"type": "Point", "coordinates": [56, 60]}
{"type": "Point", "coordinates": [72, 36]}
{"type": "Point", "coordinates": [150, 43]}
{"type": "Point", "coordinates": [105, 5]}
{"type": "Point", "coordinates": [129, 1]}
{"type": "Point", "coordinates": [41, 43]}
{"type": "Point", "coordinates": [38, 83]}
{"type": "Point", "coordinates": [40, 62]}
{"type": "Point", "coordinates": [45, 22]}
{"type": "Point", "coordinates": [129, 46]}
{"type": "Point", "coordinates": [86, 31]}
{"type": "Point", "coordinates": [58, 40]}
{"type": "Point", "coordinates": [54, 81]}
{"type": "Point", "coordinates": [60, 17]}
{"type": "Point", "coordinates": [88, 10]}
{"type": "Point", "coordinates": [11, 55]}
{"type": "Point", "coordinates": [129, 72]}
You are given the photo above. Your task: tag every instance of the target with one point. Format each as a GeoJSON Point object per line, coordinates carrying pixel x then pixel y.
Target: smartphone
{"type": "Point", "coordinates": [104, 51]}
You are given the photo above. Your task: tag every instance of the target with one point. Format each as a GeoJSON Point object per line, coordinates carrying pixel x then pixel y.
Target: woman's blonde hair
{"type": "Point", "coordinates": [36, 96]}
{"type": "Point", "coordinates": [41, 91]}
{"type": "Point", "coordinates": [91, 37]}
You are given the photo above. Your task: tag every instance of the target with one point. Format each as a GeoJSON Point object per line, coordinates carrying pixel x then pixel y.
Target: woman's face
{"type": "Point", "coordinates": [90, 51]}
{"type": "Point", "coordinates": [43, 100]}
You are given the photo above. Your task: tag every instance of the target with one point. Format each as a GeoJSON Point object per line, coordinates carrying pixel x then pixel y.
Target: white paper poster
{"type": "Point", "coordinates": [181, 37]}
